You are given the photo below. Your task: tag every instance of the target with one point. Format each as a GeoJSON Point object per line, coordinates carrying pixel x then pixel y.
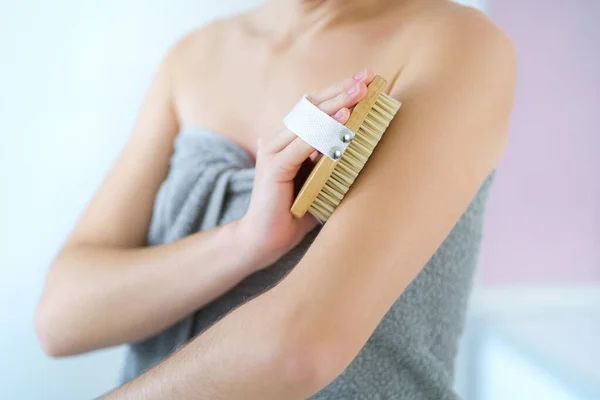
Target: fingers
{"type": "Point", "coordinates": [315, 156]}
{"type": "Point", "coordinates": [348, 99]}
{"type": "Point", "coordinates": [279, 141]}
{"type": "Point", "coordinates": [365, 76]}
{"type": "Point", "coordinates": [332, 91]}
{"type": "Point", "coordinates": [336, 100]}
{"type": "Point", "coordinates": [342, 115]}
{"type": "Point", "coordinates": [291, 157]}
{"type": "Point", "coordinates": [284, 137]}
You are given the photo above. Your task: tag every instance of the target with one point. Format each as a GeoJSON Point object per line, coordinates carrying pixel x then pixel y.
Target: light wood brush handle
{"type": "Point", "coordinates": [322, 171]}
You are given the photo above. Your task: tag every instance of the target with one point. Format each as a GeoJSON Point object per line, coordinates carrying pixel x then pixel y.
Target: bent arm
{"type": "Point", "coordinates": [104, 288]}
{"type": "Point", "coordinates": [99, 295]}
{"type": "Point", "coordinates": [292, 341]}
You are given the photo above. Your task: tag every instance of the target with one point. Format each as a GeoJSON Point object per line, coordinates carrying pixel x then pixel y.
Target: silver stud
{"type": "Point", "coordinates": [346, 137]}
{"type": "Point", "coordinates": [336, 153]}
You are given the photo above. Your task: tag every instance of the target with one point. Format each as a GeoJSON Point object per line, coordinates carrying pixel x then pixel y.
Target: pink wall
{"type": "Point", "coordinates": [543, 220]}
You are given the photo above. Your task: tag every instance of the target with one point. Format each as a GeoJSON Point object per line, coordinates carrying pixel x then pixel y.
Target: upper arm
{"type": "Point", "coordinates": [120, 211]}
{"type": "Point", "coordinates": [443, 143]}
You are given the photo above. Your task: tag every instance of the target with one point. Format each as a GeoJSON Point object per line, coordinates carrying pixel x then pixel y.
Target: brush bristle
{"type": "Point", "coordinates": [355, 157]}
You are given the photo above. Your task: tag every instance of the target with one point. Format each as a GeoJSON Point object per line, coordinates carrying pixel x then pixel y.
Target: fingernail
{"type": "Point", "coordinates": [360, 75]}
{"type": "Point", "coordinates": [338, 115]}
{"type": "Point", "coordinates": [353, 89]}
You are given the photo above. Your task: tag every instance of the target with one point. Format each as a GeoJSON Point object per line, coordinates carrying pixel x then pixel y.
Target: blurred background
{"type": "Point", "coordinates": [72, 75]}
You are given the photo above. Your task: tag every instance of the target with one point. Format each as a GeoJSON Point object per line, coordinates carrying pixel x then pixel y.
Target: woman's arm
{"type": "Point", "coordinates": [104, 288]}
{"type": "Point", "coordinates": [295, 339]}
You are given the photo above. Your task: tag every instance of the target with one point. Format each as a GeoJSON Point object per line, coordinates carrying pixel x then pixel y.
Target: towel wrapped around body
{"type": "Point", "coordinates": [411, 353]}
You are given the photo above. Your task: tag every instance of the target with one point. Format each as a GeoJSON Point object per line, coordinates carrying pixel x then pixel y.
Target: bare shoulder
{"type": "Point", "coordinates": [461, 42]}
{"type": "Point", "coordinates": [461, 71]}
{"type": "Point", "coordinates": [203, 43]}
{"type": "Point", "coordinates": [470, 29]}
{"type": "Point", "coordinates": [197, 66]}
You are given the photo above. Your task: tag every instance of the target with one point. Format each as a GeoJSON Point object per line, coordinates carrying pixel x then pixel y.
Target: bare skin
{"type": "Point", "coordinates": [257, 73]}
{"type": "Point", "coordinates": [453, 71]}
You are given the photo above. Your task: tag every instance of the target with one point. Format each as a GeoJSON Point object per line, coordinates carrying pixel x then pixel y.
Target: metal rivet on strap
{"type": "Point", "coordinates": [336, 153]}
{"type": "Point", "coordinates": [347, 137]}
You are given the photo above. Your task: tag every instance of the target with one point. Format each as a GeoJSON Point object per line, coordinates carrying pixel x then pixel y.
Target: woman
{"type": "Point", "coordinates": [344, 323]}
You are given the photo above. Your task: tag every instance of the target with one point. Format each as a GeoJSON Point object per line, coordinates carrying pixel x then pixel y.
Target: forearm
{"type": "Point", "coordinates": [252, 354]}
{"type": "Point", "coordinates": [98, 296]}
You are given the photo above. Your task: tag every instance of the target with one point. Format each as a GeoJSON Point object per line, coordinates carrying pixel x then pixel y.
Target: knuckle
{"type": "Point", "coordinates": [337, 87]}
{"type": "Point", "coordinates": [284, 164]}
{"type": "Point", "coordinates": [285, 168]}
{"type": "Point", "coordinates": [334, 103]}
{"type": "Point", "coordinates": [347, 83]}
{"type": "Point", "coordinates": [267, 145]}
{"type": "Point", "coordinates": [343, 85]}
{"type": "Point", "coordinates": [283, 171]}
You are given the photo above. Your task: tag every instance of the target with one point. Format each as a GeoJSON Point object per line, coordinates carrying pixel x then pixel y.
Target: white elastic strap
{"type": "Point", "coordinates": [318, 129]}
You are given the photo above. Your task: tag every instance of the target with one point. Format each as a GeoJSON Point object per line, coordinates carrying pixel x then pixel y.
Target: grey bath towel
{"type": "Point", "coordinates": [411, 353]}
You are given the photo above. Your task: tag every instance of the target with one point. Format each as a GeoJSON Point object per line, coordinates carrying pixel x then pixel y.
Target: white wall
{"type": "Point", "coordinates": [72, 74]}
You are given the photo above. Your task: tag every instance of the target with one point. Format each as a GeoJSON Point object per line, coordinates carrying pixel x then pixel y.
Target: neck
{"type": "Point", "coordinates": [356, 9]}
{"type": "Point", "coordinates": [296, 17]}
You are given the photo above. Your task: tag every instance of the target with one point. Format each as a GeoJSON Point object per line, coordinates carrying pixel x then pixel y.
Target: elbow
{"type": "Point", "coordinates": [52, 327]}
{"type": "Point", "coordinates": [60, 332]}
{"type": "Point", "coordinates": [53, 344]}
{"type": "Point", "coordinates": [304, 352]}
{"type": "Point", "coordinates": [308, 365]}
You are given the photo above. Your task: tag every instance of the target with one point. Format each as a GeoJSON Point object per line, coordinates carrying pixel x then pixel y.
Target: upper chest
{"type": "Point", "coordinates": [242, 89]}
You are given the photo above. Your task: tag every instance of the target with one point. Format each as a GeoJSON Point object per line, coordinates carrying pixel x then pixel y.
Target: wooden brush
{"type": "Point", "coordinates": [330, 180]}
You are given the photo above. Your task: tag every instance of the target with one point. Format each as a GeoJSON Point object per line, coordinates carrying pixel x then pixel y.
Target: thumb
{"type": "Point", "coordinates": [290, 159]}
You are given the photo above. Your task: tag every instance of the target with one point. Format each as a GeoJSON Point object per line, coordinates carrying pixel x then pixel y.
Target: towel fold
{"type": "Point", "coordinates": [209, 177]}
